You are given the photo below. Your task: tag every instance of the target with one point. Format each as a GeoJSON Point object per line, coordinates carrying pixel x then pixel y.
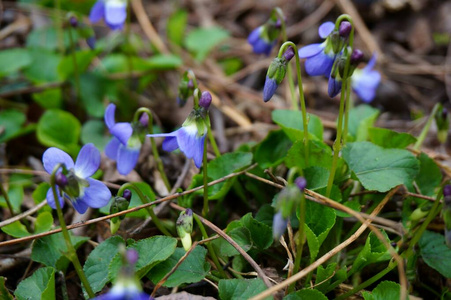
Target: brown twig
{"type": "Point", "coordinates": [233, 243]}
{"type": "Point", "coordinates": [23, 215]}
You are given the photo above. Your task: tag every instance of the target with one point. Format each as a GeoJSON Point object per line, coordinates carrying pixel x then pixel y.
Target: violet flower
{"type": "Point", "coordinates": [125, 145]}
{"type": "Point", "coordinates": [365, 81]}
{"type": "Point", "coordinates": [189, 138]}
{"type": "Point", "coordinates": [114, 12]}
{"type": "Point", "coordinates": [260, 42]}
{"type": "Point", "coordinates": [78, 187]}
{"type": "Point", "coordinates": [320, 57]}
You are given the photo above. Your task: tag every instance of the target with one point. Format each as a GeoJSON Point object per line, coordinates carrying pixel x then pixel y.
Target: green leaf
{"type": "Point", "coordinates": [15, 195]}
{"type": "Point", "coordinates": [50, 98]}
{"type": "Point", "coordinates": [435, 252]}
{"type": "Point", "coordinates": [11, 122]}
{"type": "Point", "coordinates": [50, 250]}
{"type": "Point", "coordinates": [44, 66]}
{"type": "Point", "coordinates": [202, 40]}
{"type": "Point", "coordinates": [306, 294]}
{"type": "Point", "coordinates": [231, 65]}
{"type": "Point", "coordinates": [58, 128]}
{"type": "Point", "coordinates": [387, 138]}
{"type": "Point", "coordinates": [324, 276]}
{"type": "Point", "coordinates": [43, 223]}
{"type": "Point", "coordinates": [320, 155]}
{"type": "Point", "coordinates": [66, 68]}
{"type": "Point", "coordinates": [378, 168]}
{"type": "Point", "coordinates": [361, 119]}
{"type": "Point", "coordinates": [163, 62]}
{"type": "Point", "coordinates": [13, 60]}
{"type": "Point", "coordinates": [40, 285]}
{"type": "Point", "coordinates": [273, 149]}
{"type": "Point", "coordinates": [261, 233]}
{"type": "Point", "coordinates": [93, 132]}
{"type": "Point", "coordinates": [373, 251]}
{"type": "Point", "coordinates": [176, 26]}
{"type": "Point", "coordinates": [240, 235]}
{"type": "Point", "coordinates": [93, 88]}
{"type": "Point", "coordinates": [293, 119]}
{"type": "Point", "coordinates": [151, 251]}
{"type": "Point", "coordinates": [40, 193]}
{"type": "Point", "coordinates": [386, 290]}
{"type": "Point", "coordinates": [429, 178]}
{"type": "Point", "coordinates": [16, 230]}
{"type": "Point", "coordinates": [96, 266]}
{"type": "Point", "coordinates": [193, 269]}
{"type": "Point", "coordinates": [240, 288]}
{"type": "Point", "coordinates": [317, 177]}
{"type": "Point", "coordinates": [46, 38]}
{"type": "Point", "coordinates": [4, 293]}
{"type": "Point", "coordinates": [265, 214]}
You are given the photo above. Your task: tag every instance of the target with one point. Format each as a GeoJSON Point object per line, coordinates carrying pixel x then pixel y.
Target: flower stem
{"type": "Point", "coordinates": [75, 64]}
{"type": "Point", "coordinates": [299, 241]}
{"type": "Point", "coordinates": [212, 138]}
{"type": "Point", "coordinates": [72, 255]}
{"type": "Point", "coordinates": [347, 108]}
{"type": "Point", "coordinates": [156, 156]}
{"type": "Point", "coordinates": [145, 200]}
{"type": "Point", "coordinates": [426, 127]}
{"type": "Point", "coordinates": [5, 195]}
{"type": "Point", "coordinates": [210, 248]}
{"type": "Point", "coordinates": [204, 171]}
{"type": "Point", "coordinates": [301, 95]}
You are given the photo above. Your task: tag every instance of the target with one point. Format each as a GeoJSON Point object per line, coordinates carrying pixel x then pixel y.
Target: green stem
{"type": "Point", "coordinates": [59, 26]}
{"type": "Point", "coordinates": [72, 255]}
{"type": "Point", "coordinates": [156, 156]}
{"type": "Point", "coordinates": [347, 108]}
{"type": "Point", "coordinates": [209, 246]}
{"type": "Point", "coordinates": [212, 138]}
{"type": "Point", "coordinates": [5, 195]}
{"type": "Point", "coordinates": [301, 95]}
{"type": "Point", "coordinates": [75, 63]}
{"type": "Point", "coordinates": [145, 200]}
{"type": "Point", "coordinates": [300, 240]}
{"type": "Point", "coordinates": [426, 127]}
{"type": "Point", "coordinates": [205, 177]}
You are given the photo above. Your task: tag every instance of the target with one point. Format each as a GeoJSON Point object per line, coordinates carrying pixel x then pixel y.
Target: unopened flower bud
{"type": "Point", "coordinates": [205, 100]}
{"type": "Point", "coordinates": [132, 256]}
{"type": "Point", "coordinates": [279, 224]}
{"type": "Point", "coordinates": [61, 180]}
{"type": "Point", "coordinates": [274, 76]}
{"type": "Point", "coordinates": [442, 121]}
{"type": "Point", "coordinates": [119, 204]}
{"type": "Point", "coordinates": [184, 227]}
{"type": "Point", "coordinates": [127, 195]}
{"type": "Point", "coordinates": [73, 21]}
{"type": "Point", "coordinates": [356, 57]}
{"type": "Point", "coordinates": [185, 90]}
{"type": "Point", "coordinates": [288, 54]}
{"type": "Point", "coordinates": [301, 183]}
{"type": "Point", "coordinates": [345, 29]}
{"type": "Point", "coordinates": [144, 119]}
{"type": "Point", "coordinates": [420, 213]}
{"type": "Point", "coordinates": [91, 41]}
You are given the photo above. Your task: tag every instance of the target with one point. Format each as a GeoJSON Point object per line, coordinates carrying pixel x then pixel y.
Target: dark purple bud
{"type": "Point", "coordinates": [444, 113]}
{"type": "Point", "coordinates": [279, 224]}
{"type": "Point", "coordinates": [144, 119]}
{"type": "Point", "coordinates": [447, 190]}
{"type": "Point", "coordinates": [205, 100]}
{"type": "Point", "coordinates": [91, 41]}
{"type": "Point", "coordinates": [356, 56]}
{"type": "Point", "coordinates": [269, 89]}
{"type": "Point", "coordinates": [61, 180]}
{"type": "Point", "coordinates": [288, 54]}
{"type": "Point", "coordinates": [345, 29]}
{"type": "Point", "coordinates": [190, 84]}
{"type": "Point", "coordinates": [189, 212]}
{"type": "Point", "coordinates": [334, 86]}
{"type": "Point", "coordinates": [73, 21]}
{"type": "Point", "coordinates": [127, 195]}
{"type": "Point", "coordinates": [278, 23]}
{"type": "Point", "coordinates": [301, 183]}
{"type": "Point", "coordinates": [132, 256]}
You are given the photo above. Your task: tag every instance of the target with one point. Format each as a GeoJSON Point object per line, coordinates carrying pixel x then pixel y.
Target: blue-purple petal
{"type": "Point", "coordinates": [320, 64]}
{"type": "Point", "coordinates": [269, 89]}
{"type": "Point", "coordinates": [88, 161]}
{"type": "Point", "coordinates": [325, 29]}
{"type": "Point", "coordinates": [96, 195]}
{"type": "Point", "coordinates": [334, 87]}
{"type": "Point", "coordinates": [122, 131]}
{"type": "Point", "coordinates": [54, 156]}
{"type": "Point", "coordinates": [51, 198]}
{"type": "Point", "coordinates": [279, 224]}
{"type": "Point", "coordinates": [254, 35]}
{"type": "Point", "coordinates": [97, 11]}
{"type": "Point", "coordinates": [365, 84]}
{"type": "Point", "coordinates": [80, 206]}
{"type": "Point", "coordinates": [170, 144]}
{"type": "Point", "coordinates": [115, 14]}
{"type": "Point", "coordinates": [187, 141]}
{"type": "Point", "coordinates": [260, 45]}
{"type": "Point", "coordinates": [112, 148]}
{"type": "Point", "coordinates": [310, 50]}
{"type": "Point", "coordinates": [126, 159]}
{"type": "Point", "coordinates": [199, 152]}
{"type": "Point", "coordinates": [109, 115]}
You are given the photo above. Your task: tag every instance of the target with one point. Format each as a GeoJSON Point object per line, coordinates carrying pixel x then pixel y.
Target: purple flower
{"type": "Point", "coordinates": [279, 224]}
{"type": "Point", "coordinates": [269, 88]}
{"type": "Point", "coordinates": [125, 145]}
{"type": "Point", "coordinates": [260, 41]}
{"type": "Point", "coordinates": [80, 189]}
{"type": "Point", "coordinates": [334, 86]}
{"type": "Point", "coordinates": [365, 81]}
{"type": "Point", "coordinates": [124, 292]}
{"type": "Point", "coordinates": [114, 12]}
{"type": "Point", "coordinates": [189, 138]}
{"type": "Point", "coordinates": [320, 57]}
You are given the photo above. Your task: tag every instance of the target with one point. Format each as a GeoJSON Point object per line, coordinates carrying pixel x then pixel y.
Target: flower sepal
{"type": "Point", "coordinates": [184, 227]}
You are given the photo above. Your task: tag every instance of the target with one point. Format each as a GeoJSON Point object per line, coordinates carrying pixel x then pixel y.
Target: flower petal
{"type": "Point", "coordinates": [170, 144]}
{"type": "Point", "coordinates": [199, 152]}
{"type": "Point", "coordinates": [115, 14]}
{"type": "Point", "coordinates": [258, 43]}
{"type": "Point", "coordinates": [365, 84]}
{"type": "Point", "coordinates": [126, 159]}
{"type": "Point", "coordinates": [254, 35]}
{"type": "Point", "coordinates": [51, 198]}
{"type": "Point", "coordinates": [97, 195]}
{"type": "Point", "coordinates": [269, 89]}
{"type": "Point", "coordinates": [80, 206]}
{"type": "Point", "coordinates": [97, 12]}
{"type": "Point", "coordinates": [88, 161]}
{"type": "Point", "coordinates": [371, 63]}
{"type": "Point", "coordinates": [109, 115]}
{"type": "Point", "coordinates": [112, 148]}
{"type": "Point", "coordinates": [54, 156]}
{"type": "Point", "coordinates": [191, 144]}
{"type": "Point", "coordinates": [310, 50]}
{"type": "Point", "coordinates": [122, 131]}
{"type": "Point", "coordinates": [320, 64]}
{"type": "Point", "coordinates": [334, 87]}
{"type": "Point", "coordinates": [325, 29]}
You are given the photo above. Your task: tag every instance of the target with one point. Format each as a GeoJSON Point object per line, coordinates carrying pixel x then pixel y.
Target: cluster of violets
{"type": "Point", "coordinates": [322, 59]}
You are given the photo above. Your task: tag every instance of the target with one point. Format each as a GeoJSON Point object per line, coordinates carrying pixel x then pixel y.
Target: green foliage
{"type": "Point", "coordinates": [361, 119]}
{"type": "Point", "coordinates": [435, 252]}
{"type": "Point", "coordinates": [306, 294]}
{"type": "Point", "coordinates": [320, 155]}
{"type": "Point", "coordinates": [273, 149]}
{"type": "Point", "coordinates": [201, 41]}
{"type": "Point", "coordinates": [13, 60]}
{"type": "Point", "coordinates": [175, 28]}
{"type": "Point", "coordinates": [387, 138]}
{"type": "Point", "coordinates": [384, 291]}
{"type": "Point", "coordinates": [11, 125]}
{"type": "Point", "coordinates": [373, 251]}
{"type": "Point", "coordinates": [429, 176]}
{"type": "Point", "coordinates": [261, 234]}
{"type": "Point", "coordinates": [240, 235]}
{"type": "Point", "coordinates": [15, 195]}
{"type": "Point", "coordinates": [292, 123]}
{"type": "Point", "coordinates": [44, 66]}
{"type": "Point", "coordinates": [240, 288]}
{"type": "Point", "coordinates": [378, 168]}
{"type": "Point", "coordinates": [40, 285]}
{"type": "Point", "coordinates": [193, 269]}
{"type": "Point", "coordinates": [4, 293]}
{"type": "Point", "coordinates": [93, 132]}
{"type": "Point", "coordinates": [43, 223]}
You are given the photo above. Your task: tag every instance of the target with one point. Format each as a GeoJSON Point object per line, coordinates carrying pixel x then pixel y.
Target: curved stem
{"type": "Point", "coordinates": [205, 177]}
{"type": "Point", "coordinates": [72, 255]}
{"type": "Point", "coordinates": [426, 127]}
{"type": "Point", "coordinates": [145, 200]}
